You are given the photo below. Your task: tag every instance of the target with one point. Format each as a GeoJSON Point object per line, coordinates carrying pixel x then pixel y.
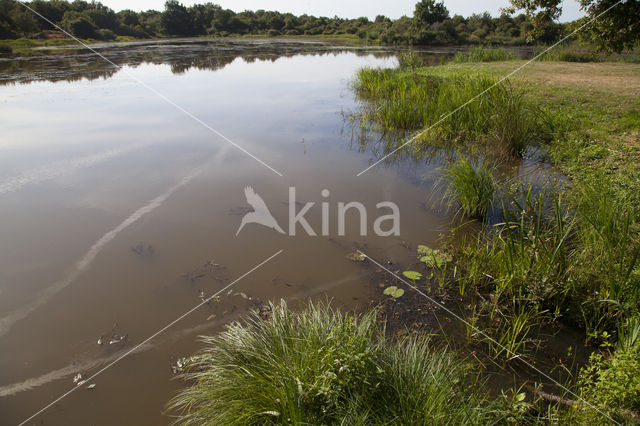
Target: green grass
{"type": "Point", "coordinates": [471, 188]}
{"type": "Point", "coordinates": [567, 253]}
{"type": "Point", "coordinates": [502, 118]}
{"type": "Point", "coordinates": [577, 259]}
{"type": "Point", "coordinates": [577, 53]}
{"type": "Point", "coordinates": [27, 42]}
{"type": "Point", "coordinates": [484, 54]}
{"type": "Point", "coordinates": [569, 54]}
{"type": "Point", "coordinates": [612, 382]}
{"type": "Point", "coordinates": [320, 366]}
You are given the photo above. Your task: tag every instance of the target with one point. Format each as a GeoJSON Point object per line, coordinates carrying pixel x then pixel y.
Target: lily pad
{"type": "Point", "coordinates": [412, 275]}
{"type": "Point", "coordinates": [393, 291]}
{"type": "Point", "coordinates": [356, 257]}
{"type": "Point", "coordinates": [422, 249]}
{"type": "Point", "coordinates": [433, 258]}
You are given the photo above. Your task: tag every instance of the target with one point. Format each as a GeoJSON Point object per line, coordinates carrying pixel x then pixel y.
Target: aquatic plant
{"type": "Point", "coordinates": [412, 275]}
{"type": "Point", "coordinates": [503, 118]}
{"type": "Point", "coordinates": [529, 255]}
{"type": "Point", "coordinates": [568, 54]}
{"type": "Point", "coordinates": [471, 188]}
{"type": "Point", "coordinates": [609, 246]}
{"type": "Point", "coordinates": [394, 291]}
{"type": "Point", "coordinates": [433, 258]}
{"type": "Point", "coordinates": [484, 54]}
{"type": "Point", "coordinates": [320, 366]}
{"type": "Point", "coordinates": [548, 259]}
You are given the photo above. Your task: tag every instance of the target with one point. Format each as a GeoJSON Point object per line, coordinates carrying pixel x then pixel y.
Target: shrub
{"type": "Point", "coordinates": [79, 25]}
{"type": "Point", "coordinates": [613, 383]}
{"type": "Point", "coordinates": [105, 34]}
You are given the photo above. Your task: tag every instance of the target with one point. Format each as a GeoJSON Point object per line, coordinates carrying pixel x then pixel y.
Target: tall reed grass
{"type": "Point", "coordinates": [471, 188]}
{"type": "Point", "coordinates": [502, 117]}
{"type": "Point", "coordinates": [484, 54]}
{"type": "Point", "coordinates": [529, 256]}
{"type": "Point", "coordinates": [569, 54]}
{"type": "Point", "coordinates": [320, 366]}
{"type": "Point", "coordinates": [550, 258]}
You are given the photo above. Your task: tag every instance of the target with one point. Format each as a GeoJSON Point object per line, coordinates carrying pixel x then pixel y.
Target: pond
{"type": "Point", "coordinates": [120, 209]}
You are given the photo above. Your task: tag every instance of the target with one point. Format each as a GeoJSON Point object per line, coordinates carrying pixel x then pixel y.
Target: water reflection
{"type": "Point", "coordinates": [74, 64]}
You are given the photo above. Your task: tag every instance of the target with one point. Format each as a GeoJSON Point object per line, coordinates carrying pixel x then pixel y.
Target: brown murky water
{"type": "Point", "coordinates": [93, 164]}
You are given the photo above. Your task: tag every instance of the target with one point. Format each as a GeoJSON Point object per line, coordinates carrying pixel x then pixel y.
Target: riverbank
{"type": "Point", "coordinates": [561, 252]}
{"type": "Point", "coordinates": [33, 45]}
{"type": "Point", "coordinates": [550, 275]}
{"type": "Point", "coordinates": [596, 112]}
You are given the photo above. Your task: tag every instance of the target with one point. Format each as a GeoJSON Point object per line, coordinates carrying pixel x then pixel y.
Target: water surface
{"type": "Point", "coordinates": [92, 164]}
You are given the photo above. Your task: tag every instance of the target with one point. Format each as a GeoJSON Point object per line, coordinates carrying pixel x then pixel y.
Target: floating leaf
{"type": "Point", "coordinates": [393, 291]}
{"type": "Point", "coordinates": [433, 258]}
{"type": "Point", "coordinates": [422, 249]}
{"type": "Point", "coordinates": [356, 257]}
{"type": "Point", "coordinates": [412, 275]}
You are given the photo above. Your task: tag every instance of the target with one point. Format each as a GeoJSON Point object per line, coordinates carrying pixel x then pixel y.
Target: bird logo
{"type": "Point", "coordinates": [260, 213]}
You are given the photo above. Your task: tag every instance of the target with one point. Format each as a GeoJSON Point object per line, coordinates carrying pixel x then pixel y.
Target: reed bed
{"type": "Point", "coordinates": [484, 54]}
{"type": "Point", "coordinates": [502, 118]}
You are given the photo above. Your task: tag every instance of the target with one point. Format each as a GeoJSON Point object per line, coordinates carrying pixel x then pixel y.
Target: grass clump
{"type": "Point", "coordinates": [484, 54]}
{"type": "Point", "coordinates": [472, 188]}
{"type": "Point", "coordinates": [569, 54]}
{"type": "Point", "coordinates": [502, 118]}
{"type": "Point", "coordinates": [320, 366]}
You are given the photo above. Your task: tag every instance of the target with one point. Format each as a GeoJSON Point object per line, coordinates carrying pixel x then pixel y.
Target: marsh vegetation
{"type": "Point", "coordinates": [320, 366]}
{"type": "Point", "coordinates": [400, 99]}
{"type": "Point", "coordinates": [560, 252]}
{"type": "Point", "coordinates": [525, 263]}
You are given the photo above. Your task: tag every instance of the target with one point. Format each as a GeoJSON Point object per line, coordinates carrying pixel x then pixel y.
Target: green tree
{"type": "Point", "coordinates": [201, 17]}
{"type": "Point", "coordinates": [78, 24]}
{"type": "Point", "coordinates": [53, 10]}
{"type": "Point", "coordinates": [429, 12]}
{"type": "Point", "coordinates": [175, 19]}
{"type": "Point", "coordinates": [128, 17]}
{"type": "Point", "coordinates": [102, 16]}
{"type": "Point", "coordinates": [151, 22]}
{"type": "Point", "coordinates": [7, 29]}
{"type": "Point", "coordinates": [615, 30]}
{"type": "Point", "coordinates": [24, 21]}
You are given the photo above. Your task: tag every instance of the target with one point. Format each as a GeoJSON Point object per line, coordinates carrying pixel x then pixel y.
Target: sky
{"type": "Point", "coordinates": [346, 8]}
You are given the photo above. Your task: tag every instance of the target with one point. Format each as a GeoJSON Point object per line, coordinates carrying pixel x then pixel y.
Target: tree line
{"type": "Point", "coordinates": [431, 24]}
